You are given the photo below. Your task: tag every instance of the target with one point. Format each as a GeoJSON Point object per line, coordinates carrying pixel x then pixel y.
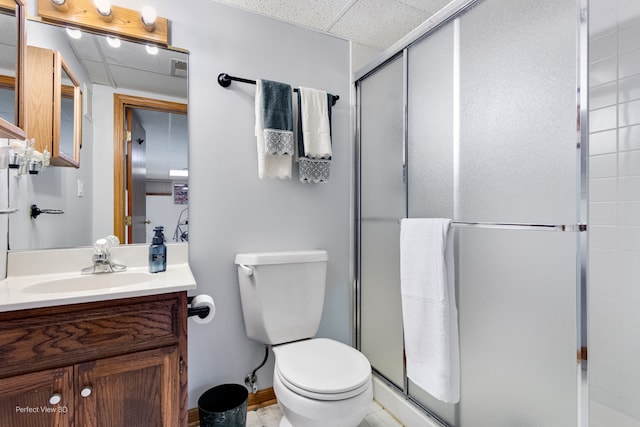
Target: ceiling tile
{"type": "Point", "coordinates": [429, 6]}
{"type": "Point", "coordinates": [378, 23]}
{"type": "Point", "coordinates": [85, 47]}
{"type": "Point", "coordinates": [97, 72]}
{"type": "Point", "coordinates": [311, 13]}
{"type": "Point", "coordinates": [130, 78]}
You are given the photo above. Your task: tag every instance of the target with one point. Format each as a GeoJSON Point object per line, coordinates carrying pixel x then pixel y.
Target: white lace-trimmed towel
{"type": "Point", "coordinates": [274, 129]}
{"type": "Point", "coordinates": [314, 135]}
{"type": "Point", "coordinates": [429, 313]}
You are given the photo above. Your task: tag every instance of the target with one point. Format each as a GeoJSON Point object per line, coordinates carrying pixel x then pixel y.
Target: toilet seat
{"type": "Point", "coordinates": [322, 369]}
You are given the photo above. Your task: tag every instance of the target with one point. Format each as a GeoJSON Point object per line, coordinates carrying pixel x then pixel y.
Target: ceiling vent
{"type": "Point", "coordinates": [179, 68]}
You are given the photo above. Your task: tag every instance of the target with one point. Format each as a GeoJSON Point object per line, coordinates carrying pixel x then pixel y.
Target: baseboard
{"type": "Point", "coordinates": [257, 400]}
{"type": "Point", "coordinates": [193, 417]}
{"type": "Point", "coordinates": [261, 399]}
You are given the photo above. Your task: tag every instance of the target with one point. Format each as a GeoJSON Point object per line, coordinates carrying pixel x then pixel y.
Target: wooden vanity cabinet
{"type": "Point", "coordinates": [24, 399]}
{"type": "Point", "coordinates": [112, 363]}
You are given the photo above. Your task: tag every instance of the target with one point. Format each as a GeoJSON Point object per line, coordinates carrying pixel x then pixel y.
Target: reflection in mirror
{"type": "Point", "coordinates": [12, 42]}
{"type": "Point", "coordinates": [86, 194]}
{"type": "Point", "coordinates": [48, 94]}
{"type": "Point", "coordinates": [157, 171]}
{"type": "Point", "coordinates": [68, 116]}
{"type": "Point", "coordinates": [8, 55]}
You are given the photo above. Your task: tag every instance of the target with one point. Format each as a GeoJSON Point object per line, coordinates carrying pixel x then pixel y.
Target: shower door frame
{"type": "Point", "coordinates": [400, 49]}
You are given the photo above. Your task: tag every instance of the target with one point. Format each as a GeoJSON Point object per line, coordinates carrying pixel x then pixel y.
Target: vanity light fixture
{"type": "Point", "coordinates": [74, 33]}
{"type": "Point", "coordinates": [152, 50]}
{"type": "Point", "coordinates": [101, 16]}
{"type": "Point", "coordinates": [148, 17]}
{"type": "Point", "coordinates": [114, 42]}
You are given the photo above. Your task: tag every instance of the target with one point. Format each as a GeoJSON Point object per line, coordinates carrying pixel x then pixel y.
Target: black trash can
{"type": "Point", "coordinates": [224, 405]}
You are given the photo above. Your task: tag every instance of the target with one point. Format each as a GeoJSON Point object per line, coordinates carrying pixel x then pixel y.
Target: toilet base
{"type": "Point", "coordinates": [300, 411]}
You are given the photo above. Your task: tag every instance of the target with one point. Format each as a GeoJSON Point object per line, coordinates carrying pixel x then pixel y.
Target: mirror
{"type": "Point", "coordinates": [88, 195]}
{"type": "Point", "coordinates": [12, 41]}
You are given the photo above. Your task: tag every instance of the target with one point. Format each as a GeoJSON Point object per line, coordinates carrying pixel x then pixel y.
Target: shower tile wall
{"type": "Point", "coordinates": [614, 212]}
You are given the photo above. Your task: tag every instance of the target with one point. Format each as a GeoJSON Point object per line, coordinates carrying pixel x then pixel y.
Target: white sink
{"type": "Point", "coordinates": [82, 283]}
{"type": "Point", "coordinates": [52, 277]}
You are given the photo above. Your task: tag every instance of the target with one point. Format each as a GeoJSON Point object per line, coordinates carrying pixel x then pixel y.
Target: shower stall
{"type": "Point", "coordinates": [481, 117]}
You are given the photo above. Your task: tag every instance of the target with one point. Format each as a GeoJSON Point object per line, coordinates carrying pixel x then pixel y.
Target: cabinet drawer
{"type": "Point", "coordinates": [47, 338]}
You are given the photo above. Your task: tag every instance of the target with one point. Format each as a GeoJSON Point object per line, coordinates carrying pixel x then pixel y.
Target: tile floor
{"type": "Point", "coordinates": [270, 417]}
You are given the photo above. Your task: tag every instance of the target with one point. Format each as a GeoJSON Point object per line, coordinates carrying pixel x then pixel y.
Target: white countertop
{"type": "Point", "coordinates": [52, 277]}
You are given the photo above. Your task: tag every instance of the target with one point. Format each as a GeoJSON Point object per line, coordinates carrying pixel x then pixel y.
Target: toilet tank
{"type": "Point", "coordinates": [282, 294]}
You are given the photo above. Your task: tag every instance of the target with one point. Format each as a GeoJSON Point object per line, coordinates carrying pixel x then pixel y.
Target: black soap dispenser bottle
{"type": "Point", "coordinates": [157, 252]}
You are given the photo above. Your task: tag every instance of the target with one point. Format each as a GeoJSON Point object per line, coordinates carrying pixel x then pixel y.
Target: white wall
{"type": "Point", "coordinates": [362, 55]}
{"type": "Point", "coordinates": [231, 210]}
{"type": "Point", "coordinates": [614, 212]}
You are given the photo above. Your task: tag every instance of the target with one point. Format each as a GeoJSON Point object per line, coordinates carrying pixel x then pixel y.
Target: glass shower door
{"type": "Point", "coordinates": [382, 204]}
{"type": "Point", "coordinates": [518, 163]}
{"type": "Point", "coordinates": [490, 124]}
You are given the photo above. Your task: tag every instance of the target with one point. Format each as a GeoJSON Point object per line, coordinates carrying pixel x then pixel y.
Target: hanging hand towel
{"type": "Point", "coordinates": [429, 313]}
{"type": "Point", "coordinates": [312, 168]}
{"type": "Point", "coordinates": [316, 131]}
{"type": "Point", "coordinates": [274, 129]}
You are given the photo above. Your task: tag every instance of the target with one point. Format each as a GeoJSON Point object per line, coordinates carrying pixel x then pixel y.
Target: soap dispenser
{"type": "Point", "coordinates": [157, 252]}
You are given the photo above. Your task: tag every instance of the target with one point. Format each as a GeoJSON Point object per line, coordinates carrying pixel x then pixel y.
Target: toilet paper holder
{"type": "Point", "coordinates": [201, 312]}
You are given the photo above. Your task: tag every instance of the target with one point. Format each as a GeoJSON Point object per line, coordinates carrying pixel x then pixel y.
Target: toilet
{"type": "Point", "coordinates": [318, 382]}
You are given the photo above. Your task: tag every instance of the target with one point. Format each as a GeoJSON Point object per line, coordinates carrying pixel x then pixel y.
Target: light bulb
{"type": "Point", "coordinates": [103, 6]}
{"type": "Point", "coordinates": [58, 2]}
{"type": "Point", "coordinates": [152, 50]}
{"type": "Point", "coordinates": [113, 41]}
{"type": "Point", "coordinates": [74, 33]}
{"type": "Point", "coordinates": [148, 15]}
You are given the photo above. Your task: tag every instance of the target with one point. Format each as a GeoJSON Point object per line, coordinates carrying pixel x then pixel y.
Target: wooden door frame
{"type": "Point", "coordinates": [120, 104]}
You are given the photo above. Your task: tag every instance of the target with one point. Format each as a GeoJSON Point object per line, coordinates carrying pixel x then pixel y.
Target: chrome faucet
{"type": "Point", "coordinates": [101, 258]}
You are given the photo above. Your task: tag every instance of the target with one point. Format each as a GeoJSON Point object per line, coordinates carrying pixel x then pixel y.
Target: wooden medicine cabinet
{"type": "Point", "coordinates": [54, 106]}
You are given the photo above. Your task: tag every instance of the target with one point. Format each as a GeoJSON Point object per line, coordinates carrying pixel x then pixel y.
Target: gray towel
{"type": "Point", "coordinates": [277, 111]}
{"type": "Point", "coordinates": [313, 170]}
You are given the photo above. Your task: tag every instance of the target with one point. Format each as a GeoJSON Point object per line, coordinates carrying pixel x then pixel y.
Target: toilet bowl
{"type": "Point", "coordinates": [321, 382]}
{"type": "Point", "coordinates": [318, 382]}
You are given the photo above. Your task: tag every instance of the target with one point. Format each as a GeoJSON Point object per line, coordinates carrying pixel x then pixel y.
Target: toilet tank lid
{"type": "Point", "coordinates": [282, 257]}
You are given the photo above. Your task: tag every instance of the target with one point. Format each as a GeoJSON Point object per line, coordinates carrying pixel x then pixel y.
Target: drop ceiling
{"type": "Point", "coordinates": [130, 66]}
{"type": "Point", "coordinates": [376, 24]}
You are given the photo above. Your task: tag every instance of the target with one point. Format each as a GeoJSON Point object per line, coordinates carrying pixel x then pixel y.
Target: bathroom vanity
{"type": "Point", "coordinates": [115, 361]}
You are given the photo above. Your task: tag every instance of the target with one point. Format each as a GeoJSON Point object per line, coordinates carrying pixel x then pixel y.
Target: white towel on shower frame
{"type": "Point", "coordinates": [430, 317]}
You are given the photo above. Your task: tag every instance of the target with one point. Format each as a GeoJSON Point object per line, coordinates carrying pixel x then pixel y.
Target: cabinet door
{"type": "Point", "coordinates": [140, 389]}
{"type": "Point", "coordinates": [39, 399]}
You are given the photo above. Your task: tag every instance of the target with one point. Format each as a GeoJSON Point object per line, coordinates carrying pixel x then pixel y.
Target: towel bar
{"type": "Point", "coordinates": [225, 80]}
{"type": "Point", "coordinates": [520, 226]}
{"type": "Point", "coordinates": [508, 226]}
